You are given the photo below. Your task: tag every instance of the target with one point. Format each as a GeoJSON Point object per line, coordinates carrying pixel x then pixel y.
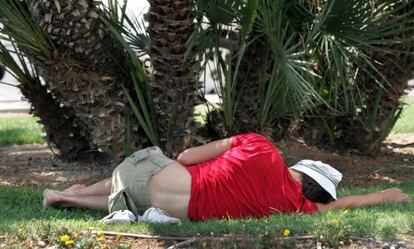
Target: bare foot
{"type": "Point", "coordinates": [51, 197]}
{"type": "Point", "coordinates": [74, 188]}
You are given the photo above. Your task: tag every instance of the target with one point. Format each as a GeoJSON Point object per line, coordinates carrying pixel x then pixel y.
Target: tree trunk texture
{"type": "Point", "coordinates": [59, 122]}
{"type": "Point", "coordinates": [172, 80]}
{"type": "Point", "coordinates": [398, 69]}
{"type": "Point", "coordinates": [83, 73]}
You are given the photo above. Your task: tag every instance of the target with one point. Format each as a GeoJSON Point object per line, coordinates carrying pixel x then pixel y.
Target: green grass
{"type": "Point", "coordinates": [22, 208]}
{"type": "Point", "coordinates": [20, 129]}
{"type": "Point", "coordinates": [406, 122]}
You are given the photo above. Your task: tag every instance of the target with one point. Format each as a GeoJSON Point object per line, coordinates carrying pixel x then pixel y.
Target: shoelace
{"type": "Point", "coordinates": [162, 212]}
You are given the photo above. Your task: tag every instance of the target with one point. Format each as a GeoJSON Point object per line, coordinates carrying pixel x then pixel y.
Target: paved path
{"type": "Point", "coordinates": [11, 97]}
{"type": "Point", "coordinates": [14, 107]}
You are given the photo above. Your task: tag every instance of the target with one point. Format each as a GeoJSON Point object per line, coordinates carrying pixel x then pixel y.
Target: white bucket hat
{"type": "Point", "coordinates": [324, 174]}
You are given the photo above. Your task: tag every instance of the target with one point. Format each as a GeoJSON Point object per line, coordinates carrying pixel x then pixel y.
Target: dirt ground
{"type": "Point", "coordinates": [246, 243]}
{"type": "Point", "coordinates": [36, 165]}
{"type": "Point", "coordinates": [393, 164]}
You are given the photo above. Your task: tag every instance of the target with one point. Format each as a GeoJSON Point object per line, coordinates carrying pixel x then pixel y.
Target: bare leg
{"type": "Point", "coordinates": [94, 196]}
{"type": "Point", "coordinates": [64, 199]}
{"type": "Point", "coordinates": [100, 188]}
{"type": "Point", "coordinates": [74, 187]}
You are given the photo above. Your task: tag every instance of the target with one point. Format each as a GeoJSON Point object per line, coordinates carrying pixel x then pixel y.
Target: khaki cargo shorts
{"type": "Point", "coordinates": [130, 178]}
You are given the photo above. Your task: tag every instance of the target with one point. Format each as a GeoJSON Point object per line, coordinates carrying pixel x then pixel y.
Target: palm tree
{"type": "Point", "coordinates": [62, 130]}
{"type": "Point", "coordinates": [172, 79]}
{"type": "Point", "coordinates": [83, 72]}
{"type": "Point", "coordinates": [319, 65]}
{"type": "Point", "coordinates": [62, 126]}
{"type": "Point", "coordinates": [366, 52]}
{"type": "Point", "coordinates": [79, 60]}
{"type": "Point", "coordinates": [269, 71]}
{"type": "Point", "coordinates": [315, 61]}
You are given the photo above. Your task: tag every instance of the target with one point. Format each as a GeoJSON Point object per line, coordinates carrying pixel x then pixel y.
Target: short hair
{"type": "Point", "coordinates": [313, 191]}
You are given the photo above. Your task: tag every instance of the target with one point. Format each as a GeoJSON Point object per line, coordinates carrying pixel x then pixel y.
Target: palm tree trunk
{"type": "Point", "coordinates": [172, 80]}
{"type": "Point", "coordinates": [399, 69]}
{"type": "Point", "coordinates": [83, 72]}
{"type": "Point", "coordinates": [59, 122]}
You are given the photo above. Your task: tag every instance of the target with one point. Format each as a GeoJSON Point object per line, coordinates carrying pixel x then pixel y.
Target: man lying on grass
{"type": "Point", "coordinates": [238, 177]}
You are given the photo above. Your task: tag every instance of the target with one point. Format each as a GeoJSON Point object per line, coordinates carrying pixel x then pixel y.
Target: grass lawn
{"type": "Point", "coordinates": [406, 122]}
{"type": "Point", "coordinates": [20, 129]}
{"type": "Point", "coordinates": [21, 210]}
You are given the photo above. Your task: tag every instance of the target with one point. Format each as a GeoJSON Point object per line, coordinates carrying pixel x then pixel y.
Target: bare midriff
{"type": "Point", "coordinates": [170, 190]}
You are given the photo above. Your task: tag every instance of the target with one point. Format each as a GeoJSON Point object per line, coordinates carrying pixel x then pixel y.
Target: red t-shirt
{"type": "Point", "coordinates": [248, 180]}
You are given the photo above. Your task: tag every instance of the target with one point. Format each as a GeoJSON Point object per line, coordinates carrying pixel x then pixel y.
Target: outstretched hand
{"type": "Point", "coordinates": [355, 201]}
{"type": "Point", "coordinates": [395, 195]}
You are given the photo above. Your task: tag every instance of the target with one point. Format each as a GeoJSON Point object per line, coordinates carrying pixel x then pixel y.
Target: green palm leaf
{"type": "Point", "coordinates": [343, 37]}
{"type": "Point", "coordinates": [26, 34]}
{"type": "Point", "coordinates": [133, 69]}
{"type": "Point", "coordinates": [220, 11]}
{"type": "Point", "coordinates": [289, 90]}
{"type": "Point", "coordinates": [248, 17]}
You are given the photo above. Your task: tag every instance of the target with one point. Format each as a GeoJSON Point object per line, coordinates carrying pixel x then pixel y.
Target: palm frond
{"type": "Point", "coordinates": [289, 90]}
{"type": "Point", "coordinates": [25, 32]}
{"type": "Point", "coordinates": [222, 12]}
{"type": "Point", "coordinates": [17, 64]}
{"type": "Point", "coordinates": [248, 17]}
{"type": "Point", "coordinates": [131, 28]}
{"type": "Point", "coordinates": [134, 70]}
{"type": "Point", "coordinates": [136, 35]}
{"type": "Point", "coordinates": [343, 38]}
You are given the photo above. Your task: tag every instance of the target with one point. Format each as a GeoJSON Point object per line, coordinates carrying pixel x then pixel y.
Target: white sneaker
{"type": "Point", "coordinates": [156, 215]}
{"type": "Point", "coordinates": [119, 217]}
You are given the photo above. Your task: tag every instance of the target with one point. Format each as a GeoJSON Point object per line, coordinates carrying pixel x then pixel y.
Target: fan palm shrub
{"type": "Point", "coordinates": [364, 50]}
{"type": "Point", "coordinates": [329, 70]}
{"type": "Point", "coordinates": [322, 68]}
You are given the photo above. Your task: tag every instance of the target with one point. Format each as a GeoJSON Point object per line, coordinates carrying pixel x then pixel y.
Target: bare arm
{"type": "Point", "coordinates": [204, 152]}
{"type": "Point", "coordinates": [354, 201]}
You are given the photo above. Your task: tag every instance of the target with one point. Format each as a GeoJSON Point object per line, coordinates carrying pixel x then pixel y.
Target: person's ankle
{"type": "Point", "coordinates": [51, 197]}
